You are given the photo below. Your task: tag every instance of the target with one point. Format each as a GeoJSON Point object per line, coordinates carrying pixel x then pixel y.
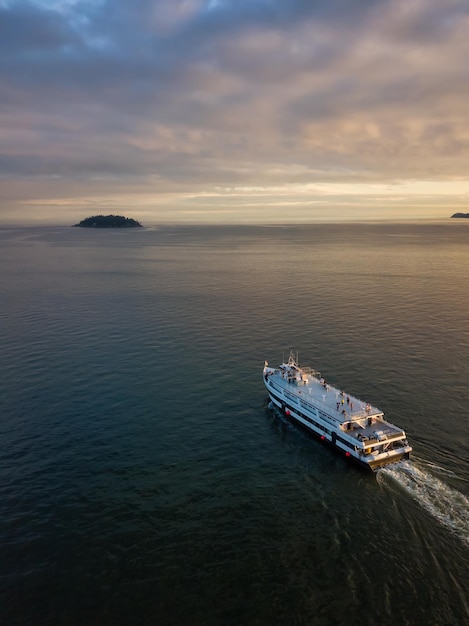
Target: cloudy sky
{"type": "Point", "coordinates": [233, 110]}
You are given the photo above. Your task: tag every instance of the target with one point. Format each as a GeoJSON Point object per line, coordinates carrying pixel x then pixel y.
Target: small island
{"type": "Point", "coordinates": [461, 215]}
{"type": "Point", "coordinates": [108, 221]}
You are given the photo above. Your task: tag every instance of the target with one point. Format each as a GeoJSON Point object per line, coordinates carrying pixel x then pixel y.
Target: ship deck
{"type": "Point", "coordinates": [343, 408]}
{"type": "Point", "coordinates": [339, 405]}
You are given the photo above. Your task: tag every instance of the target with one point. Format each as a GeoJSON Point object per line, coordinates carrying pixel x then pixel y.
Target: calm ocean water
{"type": "Point", "coordinates": [143, 477]}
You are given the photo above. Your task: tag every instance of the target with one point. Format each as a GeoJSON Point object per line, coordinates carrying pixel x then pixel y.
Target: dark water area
{"type": "Point", "coordinates": [144, 478]}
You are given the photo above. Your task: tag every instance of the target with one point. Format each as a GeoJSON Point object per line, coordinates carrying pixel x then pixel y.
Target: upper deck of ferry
{"type": "Point", "coordinates": [336, 403]}
{"type": "Point", "coordinates": [359, 419]}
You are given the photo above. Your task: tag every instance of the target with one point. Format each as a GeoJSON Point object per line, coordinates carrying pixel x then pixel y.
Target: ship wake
{"type": "Point", "coordinates": [447, 505]}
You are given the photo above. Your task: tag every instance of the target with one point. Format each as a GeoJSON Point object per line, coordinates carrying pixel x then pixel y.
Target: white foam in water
{"type": "Point", "coordinates": [447, 505]}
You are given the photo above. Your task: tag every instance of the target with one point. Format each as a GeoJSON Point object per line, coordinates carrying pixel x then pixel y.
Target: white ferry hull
{"type": "Point", "coordinates": [357, 431]}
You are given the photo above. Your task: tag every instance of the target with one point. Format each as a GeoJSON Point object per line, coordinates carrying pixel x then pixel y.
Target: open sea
{"type": "Point", "coordinates": [145, 480]}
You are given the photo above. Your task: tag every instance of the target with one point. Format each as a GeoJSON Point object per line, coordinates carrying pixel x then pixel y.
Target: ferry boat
{"type": "Point", "coordinates": [357, 429]}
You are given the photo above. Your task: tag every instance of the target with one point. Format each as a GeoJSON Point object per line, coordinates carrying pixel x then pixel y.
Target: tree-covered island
{"type": "Point", "coordinates": [108, 221]}
{"type": "Point", "coordinates": [460, 215]}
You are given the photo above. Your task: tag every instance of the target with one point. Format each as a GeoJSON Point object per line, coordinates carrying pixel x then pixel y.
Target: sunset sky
{"type": "Point", "coordinates": [233, 110]}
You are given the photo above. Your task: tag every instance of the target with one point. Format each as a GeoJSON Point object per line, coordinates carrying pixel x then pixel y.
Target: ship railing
{"type": "Point", "coordinates": [381, 436]}
{"type": "Point", "coordinates": [309, 371]}
{"type": "Point", "coordinates": [363, 413]}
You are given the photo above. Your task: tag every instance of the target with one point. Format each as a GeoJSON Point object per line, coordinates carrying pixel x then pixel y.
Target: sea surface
{"type": "Point", "coordinates": [145, 480]}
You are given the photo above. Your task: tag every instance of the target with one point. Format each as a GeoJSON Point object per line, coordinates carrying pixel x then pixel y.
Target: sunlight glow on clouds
{"type": "Point", "coordinates": [259, 110]}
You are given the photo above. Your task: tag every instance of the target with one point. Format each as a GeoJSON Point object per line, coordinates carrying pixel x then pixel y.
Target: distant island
{"type": "Point", "coordinates": [461, 215]}
{"type": "Point", "coordinates": [108, 221]}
